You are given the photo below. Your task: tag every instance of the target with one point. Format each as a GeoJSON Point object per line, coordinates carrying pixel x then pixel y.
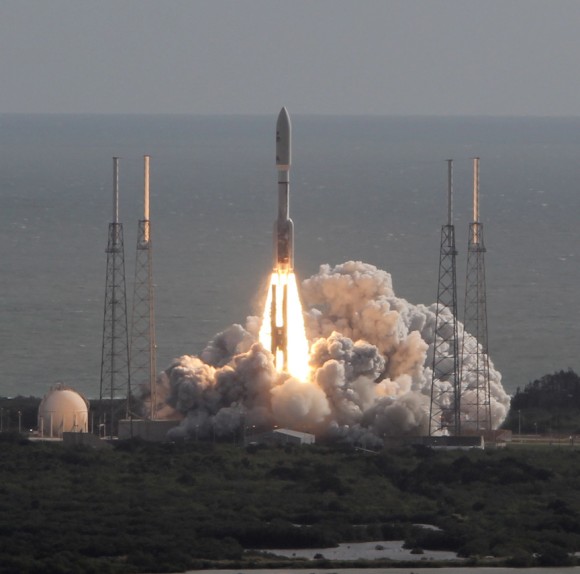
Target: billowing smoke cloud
{"type": "Point", "coordinates": [370, 356]}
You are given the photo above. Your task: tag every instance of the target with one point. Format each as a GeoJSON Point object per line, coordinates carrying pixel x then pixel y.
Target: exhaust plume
{"type": "Point", "coordinates": [370, 376]}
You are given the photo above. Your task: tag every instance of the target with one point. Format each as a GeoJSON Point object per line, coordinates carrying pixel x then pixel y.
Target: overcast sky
{"type": "Point", "coordinates": [388, 57]}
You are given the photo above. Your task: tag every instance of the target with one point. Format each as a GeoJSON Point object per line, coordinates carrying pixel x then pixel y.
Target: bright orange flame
{"type": "Point", "coordinates": [283, 287]}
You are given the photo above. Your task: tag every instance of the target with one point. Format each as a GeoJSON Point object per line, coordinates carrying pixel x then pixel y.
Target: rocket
{"type": "Point", "coordinates": [284, 228]}
{"type": "Point", "coordinates": [283, 241]}
{"type": "Point", "coordinates": [282, 331]}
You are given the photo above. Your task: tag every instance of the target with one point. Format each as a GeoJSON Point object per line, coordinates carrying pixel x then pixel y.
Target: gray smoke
{"type": "Point", "coordinates": [370, 356]}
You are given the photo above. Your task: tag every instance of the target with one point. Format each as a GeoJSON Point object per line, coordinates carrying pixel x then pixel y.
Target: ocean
{"type": "Point", "coordinates": [369, 189]}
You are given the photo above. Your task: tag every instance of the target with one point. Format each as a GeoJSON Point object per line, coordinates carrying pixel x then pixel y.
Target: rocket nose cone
{"type": "Point", "coordinates": [284, 116]}
{"type": "Point", "coordinates": [283, 140]}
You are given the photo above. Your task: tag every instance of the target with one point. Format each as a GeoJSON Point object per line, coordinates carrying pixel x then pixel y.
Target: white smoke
{"type": "Point", "coordinates": [370, 357]}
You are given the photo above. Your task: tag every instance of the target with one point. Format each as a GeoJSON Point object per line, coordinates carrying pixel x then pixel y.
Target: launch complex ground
{"type": "Point", "coordinates": [20, 415]}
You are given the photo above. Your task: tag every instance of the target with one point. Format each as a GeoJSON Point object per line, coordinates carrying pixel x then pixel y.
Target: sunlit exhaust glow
{"type": "Point", "coordinates": [282, 330]}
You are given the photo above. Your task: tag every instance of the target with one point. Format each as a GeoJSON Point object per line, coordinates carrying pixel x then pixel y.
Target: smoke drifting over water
{"type": "Point", "coordinates": [370, 357]}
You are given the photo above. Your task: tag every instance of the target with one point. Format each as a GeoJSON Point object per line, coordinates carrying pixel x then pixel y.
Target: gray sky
{"type": "Point", "coordinates": [389, 57]}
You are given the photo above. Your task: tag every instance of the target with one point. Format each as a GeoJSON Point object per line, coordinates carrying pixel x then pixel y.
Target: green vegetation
{"type": "Point", "coordinates": [164, 508]}
{"type": "Point", "coordinates": [549, 405]}
{"type": "Point", "coordinates": [157, 508]}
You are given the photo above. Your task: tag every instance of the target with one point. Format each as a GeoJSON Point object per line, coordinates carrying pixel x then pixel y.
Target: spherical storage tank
{"type": "Point", "coordinates": [62, 410]}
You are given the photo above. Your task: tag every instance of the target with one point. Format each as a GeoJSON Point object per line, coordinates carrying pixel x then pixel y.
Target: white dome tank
{"type": "Point", "coordinates": [62, 410]}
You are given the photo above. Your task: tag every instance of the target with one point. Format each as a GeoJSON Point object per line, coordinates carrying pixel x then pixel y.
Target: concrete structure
{"type": "Point", "coordinates": [62, 410]}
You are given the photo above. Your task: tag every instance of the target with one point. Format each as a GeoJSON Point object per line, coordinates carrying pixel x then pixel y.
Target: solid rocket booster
{"type": "Point", "coordinates": [284, 228]}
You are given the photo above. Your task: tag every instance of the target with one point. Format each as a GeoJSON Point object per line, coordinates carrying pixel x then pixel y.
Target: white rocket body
{"type": "Point", "coordinates": [283, 240]}
{"type": "Point", "coordinates": [284, 227]}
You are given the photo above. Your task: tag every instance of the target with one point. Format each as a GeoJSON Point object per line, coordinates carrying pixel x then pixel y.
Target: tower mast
{"type": "Point", "coordinates": [475, 382]}
{"type": "Point", "coordinates": [143, 345]}
{"type": "Point", "coordinates": [445, 392]}
{"type": "Point", "coordinates": [115, 376]}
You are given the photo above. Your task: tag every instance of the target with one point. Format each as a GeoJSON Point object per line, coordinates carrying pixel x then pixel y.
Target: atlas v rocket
{"type": "Point", "coordinates": [284, 228]}
{"type": "Point", "coordinates": [283, 239]}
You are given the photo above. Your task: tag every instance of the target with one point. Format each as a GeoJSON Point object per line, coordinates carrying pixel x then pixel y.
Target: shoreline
{"type": "Point", "coordinates": [373, 550]}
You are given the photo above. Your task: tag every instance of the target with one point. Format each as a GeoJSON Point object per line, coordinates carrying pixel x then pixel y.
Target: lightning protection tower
{"type": "Point", "coordinates": [143, 347]}
{"type": "Point", "coordinates": [475, 384]}
{"type": "Point", "coordinates": [115, 372]}
{"type": "Point", "coordinates": [445, 392]}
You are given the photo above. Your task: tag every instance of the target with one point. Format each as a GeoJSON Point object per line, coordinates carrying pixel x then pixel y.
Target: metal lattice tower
{"type": "Point", "coordinates": [115, 372]}
{"type": "Point", "coordinates": [475, 383]}
{"type": "Point", "coordinates": [444, 413]}
{"type": "Point", "coordinates": [143, 347]}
